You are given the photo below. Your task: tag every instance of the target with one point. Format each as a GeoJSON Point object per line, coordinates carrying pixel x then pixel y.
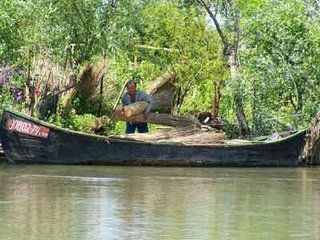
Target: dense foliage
{"type": "Point", "coordinates": [277, 59]}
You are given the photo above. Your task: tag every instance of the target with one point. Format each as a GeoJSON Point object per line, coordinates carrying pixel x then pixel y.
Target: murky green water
{"type": "Point", "coordinates": [78, 202]}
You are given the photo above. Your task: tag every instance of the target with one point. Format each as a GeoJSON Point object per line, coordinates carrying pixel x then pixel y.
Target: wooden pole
{"type": "Point", "coordinates": [30, 87]}
{"type": "Point", "coordinates": [118, 99]}
{"type": "Point", "coordinates": [72, 65]}
{"type": "Point", "coordinates": [101, 85]}
{"type": "Point", "coordinates": [135, 61]}
{"type": "Point", "coordinates": [216, 104]}
{"type": "Point", "coordinates": [101, 96]}
{"type": "Point", "coordinates": [65, 57]}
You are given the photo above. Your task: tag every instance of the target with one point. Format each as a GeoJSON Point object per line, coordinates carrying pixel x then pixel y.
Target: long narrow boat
{"type": "Point", "coordinates": [27, 140]}
{"type": "Point", "coordinates": [2, 156]}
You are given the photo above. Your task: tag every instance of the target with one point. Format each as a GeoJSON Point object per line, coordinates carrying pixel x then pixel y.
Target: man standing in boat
{"type": "Point", "coordinates": [134, 95]}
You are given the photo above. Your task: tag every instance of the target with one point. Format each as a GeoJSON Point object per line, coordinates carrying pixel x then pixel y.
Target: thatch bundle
{"type": "Point", "coordinates": [134, 108]}
{"type": "Point", "coordinates": [45, 82]}
{"type": "Point", "coordinates": [47, 75]}
{"type": "Point", "coordinates": [162, 91]}
{"type": "Point", "coordinates": [87, 84]}
{"type": "Point", "coordinates": [48, 82]}
{"type": "Point", "coordinates": [90, 77]}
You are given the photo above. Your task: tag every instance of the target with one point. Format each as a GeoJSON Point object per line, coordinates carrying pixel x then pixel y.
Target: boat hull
{"type": "Point", "coordinates": [2, 156]}
{"type": "Point", "coordinates": [52, 145]}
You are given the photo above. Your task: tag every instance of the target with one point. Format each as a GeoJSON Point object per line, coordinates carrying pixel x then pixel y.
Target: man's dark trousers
{"type": "Point", "coordinates": [142, 127]}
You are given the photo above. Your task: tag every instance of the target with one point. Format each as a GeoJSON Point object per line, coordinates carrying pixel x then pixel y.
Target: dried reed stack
{"type": "Point", "coordinates": [162, 91]}
{"type": "Point", "coordinates": [134, 108]}
{"type": "Point", "coordinates": [51, 80]}
{"type": "Point", "coordinates": [90, 77]}
{"type": "Point", "coordinates": [87, 85]}
{"type": "Point", "coordinates": [47, 81]}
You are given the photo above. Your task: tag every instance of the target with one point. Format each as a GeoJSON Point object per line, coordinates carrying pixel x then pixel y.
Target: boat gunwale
{"type": "Point", "coordinates": [119, 139]}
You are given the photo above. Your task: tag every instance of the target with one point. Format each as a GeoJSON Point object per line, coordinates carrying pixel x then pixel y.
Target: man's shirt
{"type": "Point", "coordinates": [140, 96]}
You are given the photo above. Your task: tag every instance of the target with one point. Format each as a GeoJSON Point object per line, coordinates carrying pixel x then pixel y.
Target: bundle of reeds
{"type": "Point", "coordinates": [134, 108]}
{"type": "Point", "coordinates": [162, 91]}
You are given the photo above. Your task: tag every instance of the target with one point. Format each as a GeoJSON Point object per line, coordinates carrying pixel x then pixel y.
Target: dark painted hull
{"type": "Point", "coordinates": [68, 147]}
{"type": "Point", "coordinates": [2, 156]}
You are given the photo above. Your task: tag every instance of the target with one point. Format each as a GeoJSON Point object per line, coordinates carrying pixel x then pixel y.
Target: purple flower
{"type": "Point", "coordinates": [17, 93]}
{"type": "Point", "coordinates": [4, 75]}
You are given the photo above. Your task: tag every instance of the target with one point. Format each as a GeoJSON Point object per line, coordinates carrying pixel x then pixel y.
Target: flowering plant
{"type": "Point", "coordinates": [11, 86]}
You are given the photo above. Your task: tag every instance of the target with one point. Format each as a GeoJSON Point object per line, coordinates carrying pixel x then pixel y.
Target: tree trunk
{"type": "Point", "coordinates": [311, 151]}
{"type": "Point", "coordinates": [230, 52]}
{"type": "Point", "coordinates": [256, 121]}
{"type": "Point", "coordinates": [29, 90]}
{"type": "Point", "coordinates": [238, 98]}
{"type": "Point", "coordinates": [217, 95]}
{"type": "Point", "coordinates": [240, 115]}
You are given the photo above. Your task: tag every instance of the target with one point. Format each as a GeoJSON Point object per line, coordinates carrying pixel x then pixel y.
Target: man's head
{"type": "Point", "coordinates": [131, 86]}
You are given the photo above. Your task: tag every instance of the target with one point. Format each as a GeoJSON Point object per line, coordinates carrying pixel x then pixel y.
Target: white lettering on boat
{"type": "Point", "coordinates": [27, 128]}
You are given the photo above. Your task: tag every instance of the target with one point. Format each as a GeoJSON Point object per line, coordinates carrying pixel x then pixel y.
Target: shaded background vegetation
{"type": "Point", "coordinates": [276, 78]}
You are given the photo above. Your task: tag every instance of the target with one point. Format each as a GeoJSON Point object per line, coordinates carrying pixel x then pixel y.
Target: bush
{"type": "Point", "coordinates": [84, 123]}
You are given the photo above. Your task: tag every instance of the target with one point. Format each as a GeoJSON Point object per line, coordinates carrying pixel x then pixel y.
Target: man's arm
{"type": "Point", "coordinates": [146, 97]}
{"type": "Point", "coordinates": [125, 100]}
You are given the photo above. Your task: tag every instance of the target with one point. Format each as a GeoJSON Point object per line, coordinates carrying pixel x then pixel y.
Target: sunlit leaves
{"type": "Point", "coordinates": [279, 59]}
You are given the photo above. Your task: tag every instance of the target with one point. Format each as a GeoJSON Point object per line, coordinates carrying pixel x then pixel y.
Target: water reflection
{"type": "Point", "coordinates": [77, 202]}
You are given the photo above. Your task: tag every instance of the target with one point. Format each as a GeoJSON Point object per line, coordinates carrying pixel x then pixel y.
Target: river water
{"type": "Point", "coordinates": [101, 202]}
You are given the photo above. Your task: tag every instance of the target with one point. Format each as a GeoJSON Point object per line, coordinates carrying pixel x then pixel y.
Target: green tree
{"type": "Point", "coordinates": [279, 57]}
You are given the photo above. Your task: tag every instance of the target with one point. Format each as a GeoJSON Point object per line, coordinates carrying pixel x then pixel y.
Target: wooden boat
{"type": "Point", "coordinates": [2, 156]}
{"type": "Point", "coordinates": [27, 140]}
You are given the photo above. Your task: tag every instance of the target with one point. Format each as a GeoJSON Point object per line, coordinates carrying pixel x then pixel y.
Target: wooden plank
{"type": "Point", "coordinates": [157, 118]}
